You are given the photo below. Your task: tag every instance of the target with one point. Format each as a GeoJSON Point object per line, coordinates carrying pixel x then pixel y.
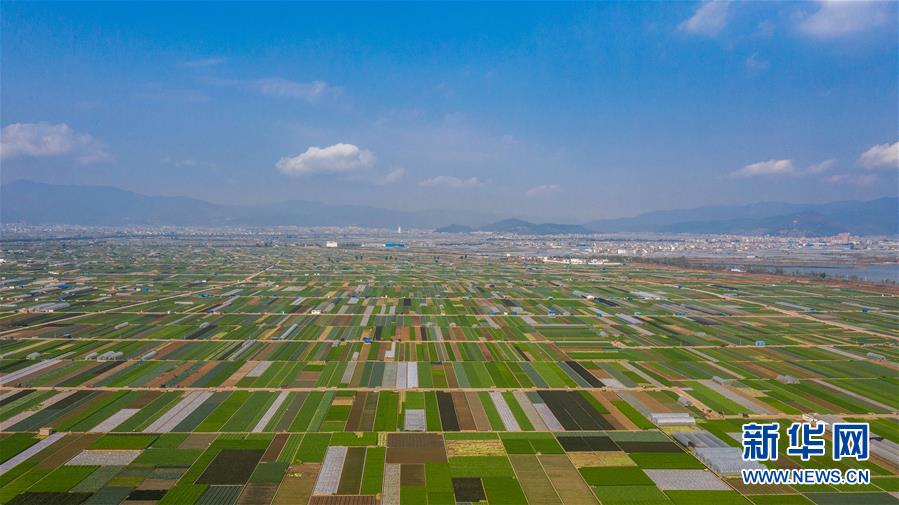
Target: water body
{"type": "Point", "coordinates": [869, 273]}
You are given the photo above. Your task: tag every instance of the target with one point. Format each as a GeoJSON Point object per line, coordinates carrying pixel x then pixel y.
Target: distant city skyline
{"type": "Point", "coordinates": [571, 111]}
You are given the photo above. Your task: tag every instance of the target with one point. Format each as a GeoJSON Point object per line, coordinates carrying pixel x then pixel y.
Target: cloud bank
{"type": "Point", "coordinates": [709, 19]}
{"type": "Point", "coordinates": [836, 19]}
{"type": "Point", "coordinates": [782, 168]}
{"type": "Point", "coordinates": [43, 140]}
{"type": "Point", "coordinates": [337, 158]}
{"type": "Point", "coordinates": [880, 157]}
{"type": "Point", "coordinates": [448, 181]}
{"type": "Point", "coordinates": [543, 190]}
{"type": "Point", "coordinates": [770, 167]}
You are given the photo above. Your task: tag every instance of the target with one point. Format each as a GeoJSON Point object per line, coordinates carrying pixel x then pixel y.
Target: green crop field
{"type": "Point", "coordinates": [239, 373]}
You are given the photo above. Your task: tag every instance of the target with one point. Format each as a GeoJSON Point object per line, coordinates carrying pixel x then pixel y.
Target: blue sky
{"type": "Point", "coordinates": [557, 111]}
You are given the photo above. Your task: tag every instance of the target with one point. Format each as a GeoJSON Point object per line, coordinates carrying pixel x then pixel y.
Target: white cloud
{"type": "Point", "coordinates": [838, 18]}
{"type": "Point", "coordinates": [782, 167]}
{"type": "Point", "coordinates": [853, 179]}
{"type": "Point", "coordinates": [822, 167]}
{"type": "Point", "coordinates": [880, 157]}
{"type": "Point", "coordinates": [393, 176]}
{"type": "Point", "coordinates": [42, 140]}
{"type": "Point", "coordinates": [449, 181]}
{"type": "Point", "coordinates": [756, 63]}
{"type": "Point", "coordinates": [338, 158]}
{"type": "Point", "coordinates": [543, 190]}
{"type": "Point", "coordinates": [203, 63]}
{"type": "Point", "coordinates": [709, 19]}
{"type": "Point", "coordinates": [285, 88]}
{"type": "Point", "coordinates": [770, 167]}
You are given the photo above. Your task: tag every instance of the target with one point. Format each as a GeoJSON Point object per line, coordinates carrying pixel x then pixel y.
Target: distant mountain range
{"type": "Point", "coordinates": [875, 217]}
{"type": "Point", "coordinates": [39, 203]}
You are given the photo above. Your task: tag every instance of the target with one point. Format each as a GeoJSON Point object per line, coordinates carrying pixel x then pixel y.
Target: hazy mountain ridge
{"type": "Point", "coordinates": [39, 203]}
{"type": "Point", "coordinates": [875, 217]}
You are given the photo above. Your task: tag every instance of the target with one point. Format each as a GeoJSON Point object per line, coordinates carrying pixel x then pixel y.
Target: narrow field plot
{"type": "Point", "coordinates": [231, 466]}
{"type": "Point", "coordinates": [297, 485]}
{"type": "Point", "coordinates": [455, 448]}
{"type": "Point", "coordinates": [414, 420]}
{"type": "Point", "coordinates": [534, 482]}
{"type": "Point", "coordinates": [567, 481]}
{"type": "Point", "coordinates": [600, 459]}
{"type": "Point", "coordinates": [686, 480]}
{"type": "Point", "coordinates": [104, 457]}
{"type": "Point", "coordinates": [468, 489]}
{"type": "Point", "coordinates": [332, 467]}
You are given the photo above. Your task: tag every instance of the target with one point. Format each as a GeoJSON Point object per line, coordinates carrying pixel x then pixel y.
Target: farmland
{"type": "Point", "coordinates": [181, 372]}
